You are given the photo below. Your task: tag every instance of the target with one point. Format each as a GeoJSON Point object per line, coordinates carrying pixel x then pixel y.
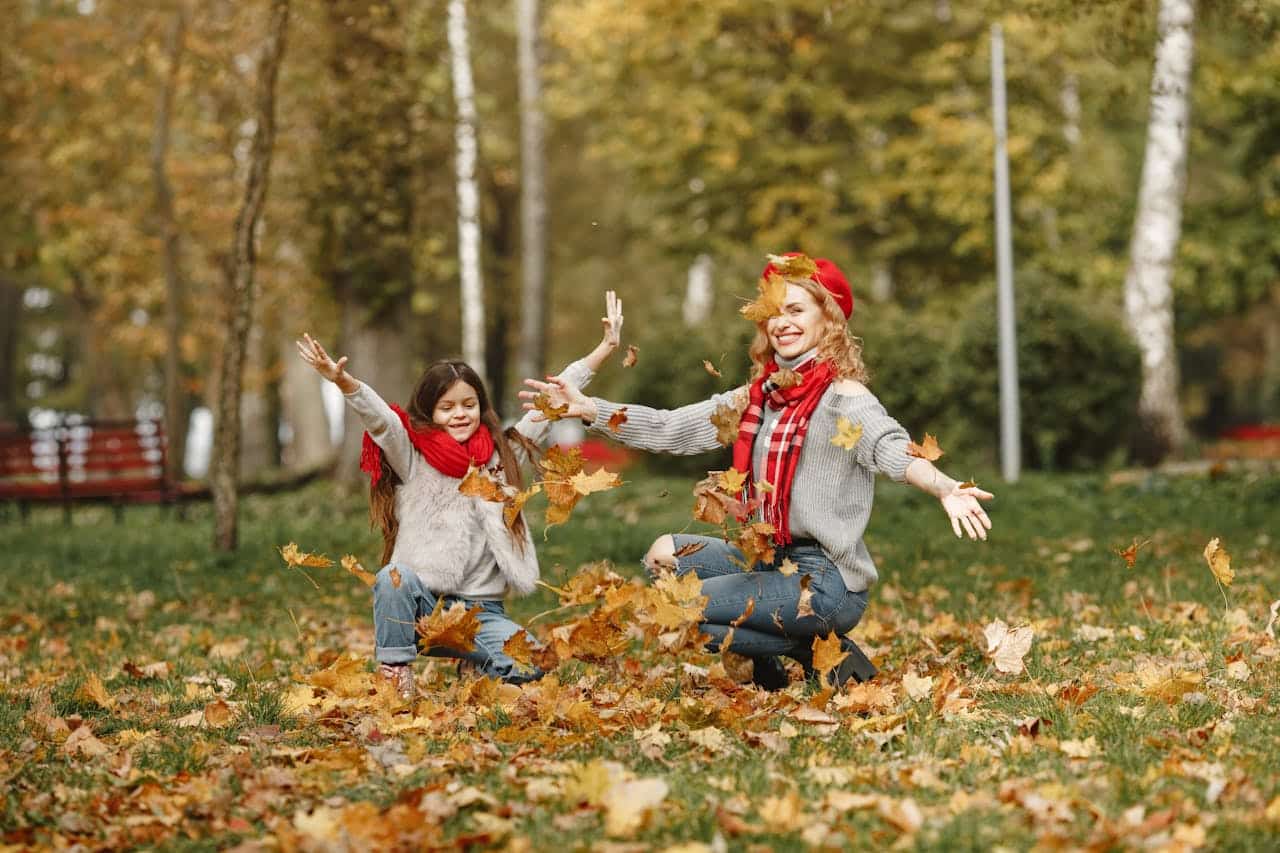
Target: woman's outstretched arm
{"type": "Point", "coordinates": [960, 502]}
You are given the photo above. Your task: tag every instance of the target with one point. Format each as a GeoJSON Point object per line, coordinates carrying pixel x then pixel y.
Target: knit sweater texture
{"type": "Point", "coordinates": [833, 489]}
{"type": "Point", "coordinates": [457, 544]}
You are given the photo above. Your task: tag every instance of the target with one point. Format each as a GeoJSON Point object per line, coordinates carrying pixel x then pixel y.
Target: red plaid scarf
{"type": "Point", "coordinates": [445, 453]}
{"type": "Point", "coordinates": [783, 454]}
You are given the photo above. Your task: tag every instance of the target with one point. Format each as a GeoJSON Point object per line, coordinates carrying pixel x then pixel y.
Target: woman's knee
{"type": "Point", "coordinates": [661, 555]}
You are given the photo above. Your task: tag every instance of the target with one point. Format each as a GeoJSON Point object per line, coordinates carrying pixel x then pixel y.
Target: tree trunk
{"type": "Point", "coordinates": [699, 292]}
{"type": "Point", "coordinates": [468, 190]}
{"type": "Point", "coordinates": [1148, 293]}
{"type": "Point", "coordinates": [226, 439]}
{"type": "Point", "coordinates": [531, 360]}
{"type": "Point", "coordinates": [10, 327]}
{"type": "Point", "coordinates": [175, 398]}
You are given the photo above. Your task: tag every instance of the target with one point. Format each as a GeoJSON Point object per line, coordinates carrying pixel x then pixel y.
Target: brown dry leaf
{"type": "Point", "coordinates": [710, 368]}
{"type": "Point", "coordinates": [798, 265]}
{"type": "Point", "coordinates": [727, 420]}
{"type": "Point", "coordinates": [1130, 554]}
{"type": "Point", "coordinates": [788, 568]}
{"type": "Point", "coordinates": [929, 449]}
{"type": "Point", "coordinates": [542, 402]}
{"type": "Point", "coordinates": [517, 647]}
{"type": "Point", "coordinates": [746, 614]}
{"type": "Point", "coordinates": [712, 505]}
{"type": "Point", "coordinates": [1008, 646]}
{"type": "Point", "coordinates": [82, 742]}
{"type": "Point", "coordinates": [847, 434]}
{"type": "Point", "coordinates": [772, 296]}
{"type": "Point", "coordinates": [917, 687]}
{"type": "Point", "coordinates": [617, 419]}
{"type": "Point", "coordinates": [558, 468]}
{"type": "Point", "coordinates": [969, 484]}
{"type": "Point", "coordinates": [93, 690]}
{"type": "Point", "coordinates": [1271, 621]}
{"type": "Point", "coordinates": [732, 481]}
{"type": "Point", "coordinates": [785, 377]}
{"type": "Point", "coordinates": [756, 543]}
{"type": "Point", "coordinates": [344, 677]}
{"type": "Point", "coordinates": [689, 548]}
{"type": "Point", "coordinates": [394, 574]}
{"type": "Point", "coordinates": [351, 564]}
{"type": "Point", "coordinates": [633, 353]}
{"type": "Point", "coordinates": [1219, 562]}
{"type": "Point", "coordinates": [784, 814]}
{"type": "Point", "coordinates": [294, 557]}
{"type": "Point", "coordinates": [218, 714]}
{"type": "Point", "coordinates": [453, 628]}
{"type": "Point", "coordinates": [804, 607]}
{"type": "Point", "coordinates": [479, 484]}
{"type": "Point", "coordinates": [159, 669]}
{"type": "Point", "coordinates": [827, 654]}
{"type": "Point", "coordinates": [515, 504]}
{"type": "Point", "coordinates": [598, 481]}
{"type": "Point", "coordinates": [868, 696]}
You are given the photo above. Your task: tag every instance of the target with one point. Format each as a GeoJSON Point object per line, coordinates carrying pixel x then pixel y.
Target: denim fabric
{"type": "Point", "coordinates": [774, 627]}
{"type": "Point", "coordinates": [396, 611]}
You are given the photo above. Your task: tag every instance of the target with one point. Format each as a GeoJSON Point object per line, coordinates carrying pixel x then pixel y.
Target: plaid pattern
{"type": "Point", "coordinates": [783, 454]}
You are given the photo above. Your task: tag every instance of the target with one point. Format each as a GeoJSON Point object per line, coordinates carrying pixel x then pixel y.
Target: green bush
{"type": "Point", "coordinates": [904, 352]}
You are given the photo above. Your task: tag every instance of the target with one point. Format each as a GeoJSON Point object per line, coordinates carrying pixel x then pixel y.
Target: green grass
{"type": "Point", "coordinates": [85, 600]}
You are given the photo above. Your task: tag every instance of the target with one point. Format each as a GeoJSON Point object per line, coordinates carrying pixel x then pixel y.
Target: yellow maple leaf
{"type": "Point", "coordinates": [550, 411]}
{"type": "Point", "coordinates": [928, 449]}
{"type": "Point", "coordinates": [827, 654]}
{"type": "Point", "coordinates": [351, 564]}
{"type": "Point", "coordinates": [598, 481]}
{"type": "Point", "coordinates": [798, 265]}
{"type": "Point", "coordinates": [847, 434]}
{"type": "Point", "coordinates": [453, 628]}
{"type": "Point", "coordinates": [728, 422]}
{"type": "Point", "coordinates": [516, 503]}
{"type": "Point", "coordinates": [517, 647]}
{"type": "Point", "coordinates": [756, 543]}
{"type": "Point", "coordinates": [294, 557]}
{"type": "Point", "coordinates": [732, 481]}
{"type": "Point", "coordinates": [788, 568]}
{"type": "Point", "coordinates": [772, 296]}
{"type": "Point", "coordinates": [1219, 562]}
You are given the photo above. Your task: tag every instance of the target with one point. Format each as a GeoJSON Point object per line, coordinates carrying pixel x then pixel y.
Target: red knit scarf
{"type": "Point", "coordinates": [783, 453]}
{"type": "Point", "coordinates": [447, 455]}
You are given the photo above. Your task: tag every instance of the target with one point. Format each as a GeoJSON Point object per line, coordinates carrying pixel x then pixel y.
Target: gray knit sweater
{"type": "Point", "coordinates": [832, 492]}
{"type": "Point", "coordinates": [457, 544]}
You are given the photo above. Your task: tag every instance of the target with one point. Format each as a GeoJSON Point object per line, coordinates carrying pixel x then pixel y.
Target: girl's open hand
{"type": "Point", "coordinates": [312, 353]}
{"type": "Point", "coordinates": [612, 320]}
{"type": "Point", "coordinates": [961, 505]}
{"type": "Point", "coordinates": [559, 393]}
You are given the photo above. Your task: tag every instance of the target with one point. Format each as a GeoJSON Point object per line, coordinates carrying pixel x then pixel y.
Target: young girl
{"type": "Point", "coordinates": [438, 544]}
{"type": "Point", "coordinates": [817, 494]}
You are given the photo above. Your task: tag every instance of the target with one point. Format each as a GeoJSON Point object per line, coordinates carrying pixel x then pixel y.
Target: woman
{"type": "Point", "coordinates": [807, 390]}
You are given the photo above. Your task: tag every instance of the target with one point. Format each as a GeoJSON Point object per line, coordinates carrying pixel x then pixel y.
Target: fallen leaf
{"type": "Point", "coordinates": [785, 377]}
{"type": "Point", "coordinates": [847, 434]}
{"type": "Point", "coordinates": [827, 654]}
{"type": "Point", "coordinates": [452, 628]}
{"type": "Point", "coordinates": [1079, 748]}
{"type": "Point", "coordinates": [628, 804]}
{"type": "Point", "coordinates": [1219, 562]}
{"type": "Point", "coordinates": [218, 714]}
{"type": "Point", "coordinates": [294, 557]}
{"type": "Point", "coordinates": [228, 649]}
{"type": "Point", "coordinates": [1007, 647]}
{"type": "Point", "coordinates": [633, 352]}
{"type": "Point", "coordinates": [617, 419]}
{"type": "Point", "coordinates": [93, 690]}
{"type": "Point", "coordinates": [1271, 622]}
{"type": "Point", "coordinates": [710, 368]}
{"type": "Point", "coordinates": [351, 564]}
{"type": "Point", "coordinates": [929, 449]}
{"type": "Point", "coordinates": [917, 687]}
{"type": "Point", "coordinates": [82, 742]}
{"type": "Point", "coordinates": [1239, 670]}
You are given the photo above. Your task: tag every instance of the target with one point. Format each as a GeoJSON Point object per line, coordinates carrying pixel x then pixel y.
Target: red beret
{"type": "Point", "coordinates": [830, 277]}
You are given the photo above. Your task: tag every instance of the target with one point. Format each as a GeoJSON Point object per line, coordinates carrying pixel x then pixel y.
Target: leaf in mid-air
{"type": "Point", "coordinates": [295, 557]}
{"type": "Point", "coordinates": [351, 564]}
{"type": "Point", "coordinates": [617, 419]}
{"type": "Point", "coordinates": [453, 628]}
{"type": "Point", "coordinates": [727, 420]}
{"type": "Point", "coordinates": [793, 266]}
{"type": "Point", "coordinates": [928, 449]}
{"type": "Point", "coordinates": [633, 353]}
{"type": "Point", "coordinates": [1219, 562]}
{"type": "Point", "coordinates": [479, 484]}
{"type": "Point", "coordinates": [732, 481]}
{"type": "Point", "coordinates": [785, 377]}
{"type": "Point", "coordinates": [550, 411]}
{"type": "Point", "coordinates": [772, 296]}
{"type": "Point", "coordinates": [1130, 554]}
{"type": "Point", "coordinates": [598, 481]}
{"type": "Point", "coordinates": [710, 368]}
{"type": "Point", "coordinates": [847, 434]}
{"type": "Point", "coordinates": [511, 510]}
{"type": "Point", "coordinates": [756, 543]}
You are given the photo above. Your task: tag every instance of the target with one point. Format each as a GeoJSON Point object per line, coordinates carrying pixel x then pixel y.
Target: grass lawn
{"type": "Point", "coordinates": [156, 694]}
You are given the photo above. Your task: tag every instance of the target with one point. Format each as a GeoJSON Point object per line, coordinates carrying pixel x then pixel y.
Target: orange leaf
{"type": "Point", "coordinates": [294, 557]}
{"type": "Point", "coordinates": [617, 419]}
{"type": "Point", "coordinates": [727, 420]}
{"type": "Point", "coordinates": [517, 647]}
{"type": "Point", "coordinates": [351, 564]}
{"type": "Point", "coordinates": [746, 613]}
{"type": "Point", "coordinates": [928, 450]}
{"type": "Point", "coordinates": [827, 654]}
{"type": "Point", "coordinates": [1219, 562]}
{"type": "Point", "coordinates": [773, 295]}
{"type": "Point", "coordinates": [96, 692]}
{"type": "Point", "coordinates": [516, 503]}
{"type": "Point", "coordinates": [804, 607]}
{"type": "Point", "coordinates": [633, 353]}
{"type": "Point", "coordinates": [1130, 554]}
{"type": "Point", "coordinates": [785, 377]}
{"type": "Point", "coordinates": [478, 484]}
{"type": "Point", "coordinates": [756, 543]}
{"type": "Point", "coordinates": [793, 266]}
{"type": "Point", "coordinates": [454, 628]}
{"type": "Point", "coordinates": [710, 368]}
{"type": "Point", "coordinates": [543, 404]}
{"type": "Point", "coordinates": [690, 548]}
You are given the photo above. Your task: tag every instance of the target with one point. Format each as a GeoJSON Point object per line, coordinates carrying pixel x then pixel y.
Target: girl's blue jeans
{"type": "Point", "coordinates": [396, 611]}
{"type": "Point", "coordinates": [775, 626]}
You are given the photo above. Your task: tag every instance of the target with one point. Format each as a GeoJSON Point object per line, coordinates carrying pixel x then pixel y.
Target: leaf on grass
{"type": "Point", "coordinates": [1008, 646]}
{"type": "Point", "coordinates": [479, 484]}
{"type": "Point", "coordinates": [516, 503]}
{"type": "Point", "coordinates": [218, 714]}
{"type": "Point", "coordinates": [452, 628]}
{"type": "Point", "coordinates": [847, 434]}
{"type": "Point", "coordinates": [827, 654]}
{"type": "Point", "coordinates": [1219, 562]}
{"type": "Point", "coordinates": [772, 296]}
{"type": "Point", "coordinates": [1130, 554]}
{"type": "Point", "coordinates": [598, 481]}
{"type": "Point", "coordinates": [788, 568]}
{"type": "Point", "coordinates": [804, 607]}
{"type": "Point", "coordinates": [542, 402]}
{"type": "Point", "coordinates": [159, 669]}
{"type": "Point", "coordinates": [710, 368]}
{"type": "Point", "coordinates": [928, 449]}
{"type": "Point", "coordinates": [917, 687]}
{"type": "Point", "coordinates": [732, 481]}
{"type": "Point", "coordinates": [93, 690]}
{"type": "Point", "coordinates": [351, 564]}
{"type": "Point", "coordinates": [82, 742]}
{"type": "Point", "coordinates": [294, 557]}
{"type": "Point", "coordinates": [617, 419]}
{"type": "Point", "coordinates": [785, 377]}
{"type": "Point", "coordinates": [727, 420]}
{"type": "Point", "coordinates": [627, 805]}
{"type": "Point", "coordinates": [633, 352]}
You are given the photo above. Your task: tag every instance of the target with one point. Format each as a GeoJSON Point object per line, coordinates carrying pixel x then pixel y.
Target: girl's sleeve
{"type": "Point", "coordinates": [883, 445]}
{"type": "Point", "coordinates": [576, 374]}
{"type": "Point", "coordinates": [384, 428]}
{"type": "Point", "coordinates": [683, 431]}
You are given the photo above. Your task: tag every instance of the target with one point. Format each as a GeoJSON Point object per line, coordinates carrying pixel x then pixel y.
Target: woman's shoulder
{"type": "Point", "coordinates": [850, 388]}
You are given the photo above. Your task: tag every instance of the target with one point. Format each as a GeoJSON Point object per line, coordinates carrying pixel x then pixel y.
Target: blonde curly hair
{"type": "Point", "coordinates": [835, 344]}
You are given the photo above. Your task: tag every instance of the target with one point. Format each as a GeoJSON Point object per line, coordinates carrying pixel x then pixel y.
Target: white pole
{"type": "Point", "coordinates": [1010, 440]}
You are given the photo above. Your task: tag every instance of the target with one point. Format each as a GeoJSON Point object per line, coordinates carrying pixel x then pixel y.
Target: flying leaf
{"type": "Point", "coordinates": [395, 577]}
{"type": "Point", "coordinates": [732, 481]}
{"type": "Point", "coordinates": [764, 487]}
{"type": "Point", "coordinates": [542, 402]}
{"type": "Point", "coordinates": [746, 613]}
{"type": "Point", "coordinates": [516, 503]}
{"type": "Point", "coordinates": [785, 377]}
{"type": "Point", "coordinates": [756, 543]}
{"type": "Point", "coordinates": [478, 484]}
{"type": "Point", "coordinates": [452, 628]}
{"type": "Point", "coordinates": [599, 481]}
{"type": "Point", "coordinates": [727, 420]}
{"type": "Point", "coordinates": [1007, 647]}
{"type": "Point", "coordinates": [793, 266]}
{"type": "Point", "coordinates": [804, 606]}
{"type": "Point", "coordinates": [558, 469]}
{"type": "Point", "coordinates": [351, 564]}
{"type": "Point", "coordinates": [929, 449]}
{"type": "Point", "coordinates": [517, 647]}
{"type": "Point", "coordinates": [1130, 554]}
{"type": "Point", "coordinates": [827, 654]}
{"type": "Point", "coordinates": [294, 557]}
{"type": "Point", "coordinates": [710, 368]}
{"type": "Point", "coordinates": [1219, 562]}
{"type": "Point", "coordinates": [788, 568]}
{"type": "Point", "coordinates": [617, 419]}
{"type": "Point", "coordinates": [773, 295]}
{"type": "Point", "coordinates": [968, 484]}
{"type": "Point", "coordinates": [633, 352]}
{"type": "Point", "coordinates": [690, 548]}
{"type": "Point", "coordinates": [712, 505]}
{"type": "Point", "coordinates": [847, 434]}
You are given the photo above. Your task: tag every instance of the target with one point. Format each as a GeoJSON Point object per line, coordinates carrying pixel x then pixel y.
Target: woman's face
{"type": "Point", "coordinates": [458, 411]}
{"type": "Point", "coordinates": [797, 329]}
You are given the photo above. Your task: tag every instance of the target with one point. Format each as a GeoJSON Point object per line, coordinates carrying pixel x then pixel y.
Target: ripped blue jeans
{"type": "Point", "coordinates": [775, 626]}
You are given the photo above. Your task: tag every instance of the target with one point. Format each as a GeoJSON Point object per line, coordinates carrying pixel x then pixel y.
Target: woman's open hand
{"type": "Point", "coordinates": [559, 393]}
{"type": "Point", "coordinates": [312, 353]}
{"type": "Point", "coordinates": [966, 513]}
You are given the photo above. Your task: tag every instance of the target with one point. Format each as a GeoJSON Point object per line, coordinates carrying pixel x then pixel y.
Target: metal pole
{"type": "Point", "coordinates": [1010, 439]}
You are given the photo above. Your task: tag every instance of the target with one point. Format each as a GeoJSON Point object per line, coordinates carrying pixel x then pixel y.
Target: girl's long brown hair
{"type": "Point", "coordinates": [836, 345]}
{"type": "Point", "coordinates": [434, 384]}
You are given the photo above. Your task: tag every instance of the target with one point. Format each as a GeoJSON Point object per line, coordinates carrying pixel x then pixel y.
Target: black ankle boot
{"type": "Point", "coordinates": [855, 665]}
{"type": "Point", "coordinates": [769, 673]}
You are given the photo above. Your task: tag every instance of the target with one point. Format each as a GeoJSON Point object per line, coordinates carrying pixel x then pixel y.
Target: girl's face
{"type": "Point", "coordinates": [800, 325]}
{"type": "Point", "coordinates": [458, 411]}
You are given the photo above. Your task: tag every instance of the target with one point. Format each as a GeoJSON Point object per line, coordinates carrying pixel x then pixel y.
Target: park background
{"type": "Point", "coordinates": [674, 146]}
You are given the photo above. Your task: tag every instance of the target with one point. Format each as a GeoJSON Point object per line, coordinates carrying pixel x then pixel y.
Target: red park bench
{"type": "Point", "coordinates": [116, 462]}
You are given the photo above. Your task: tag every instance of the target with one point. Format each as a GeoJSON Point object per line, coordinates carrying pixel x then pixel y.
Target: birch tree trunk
{"type": "Point", "coordinates": [468, 190]}
{"type": "Point", "coordinates": [175, 409]}
{"type": "Point", "coordinates": [224, 478]}
{"type": "Point", "coordinates": [1148, 291]}
{"type": "Point", "coordinates": [533, 199]}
